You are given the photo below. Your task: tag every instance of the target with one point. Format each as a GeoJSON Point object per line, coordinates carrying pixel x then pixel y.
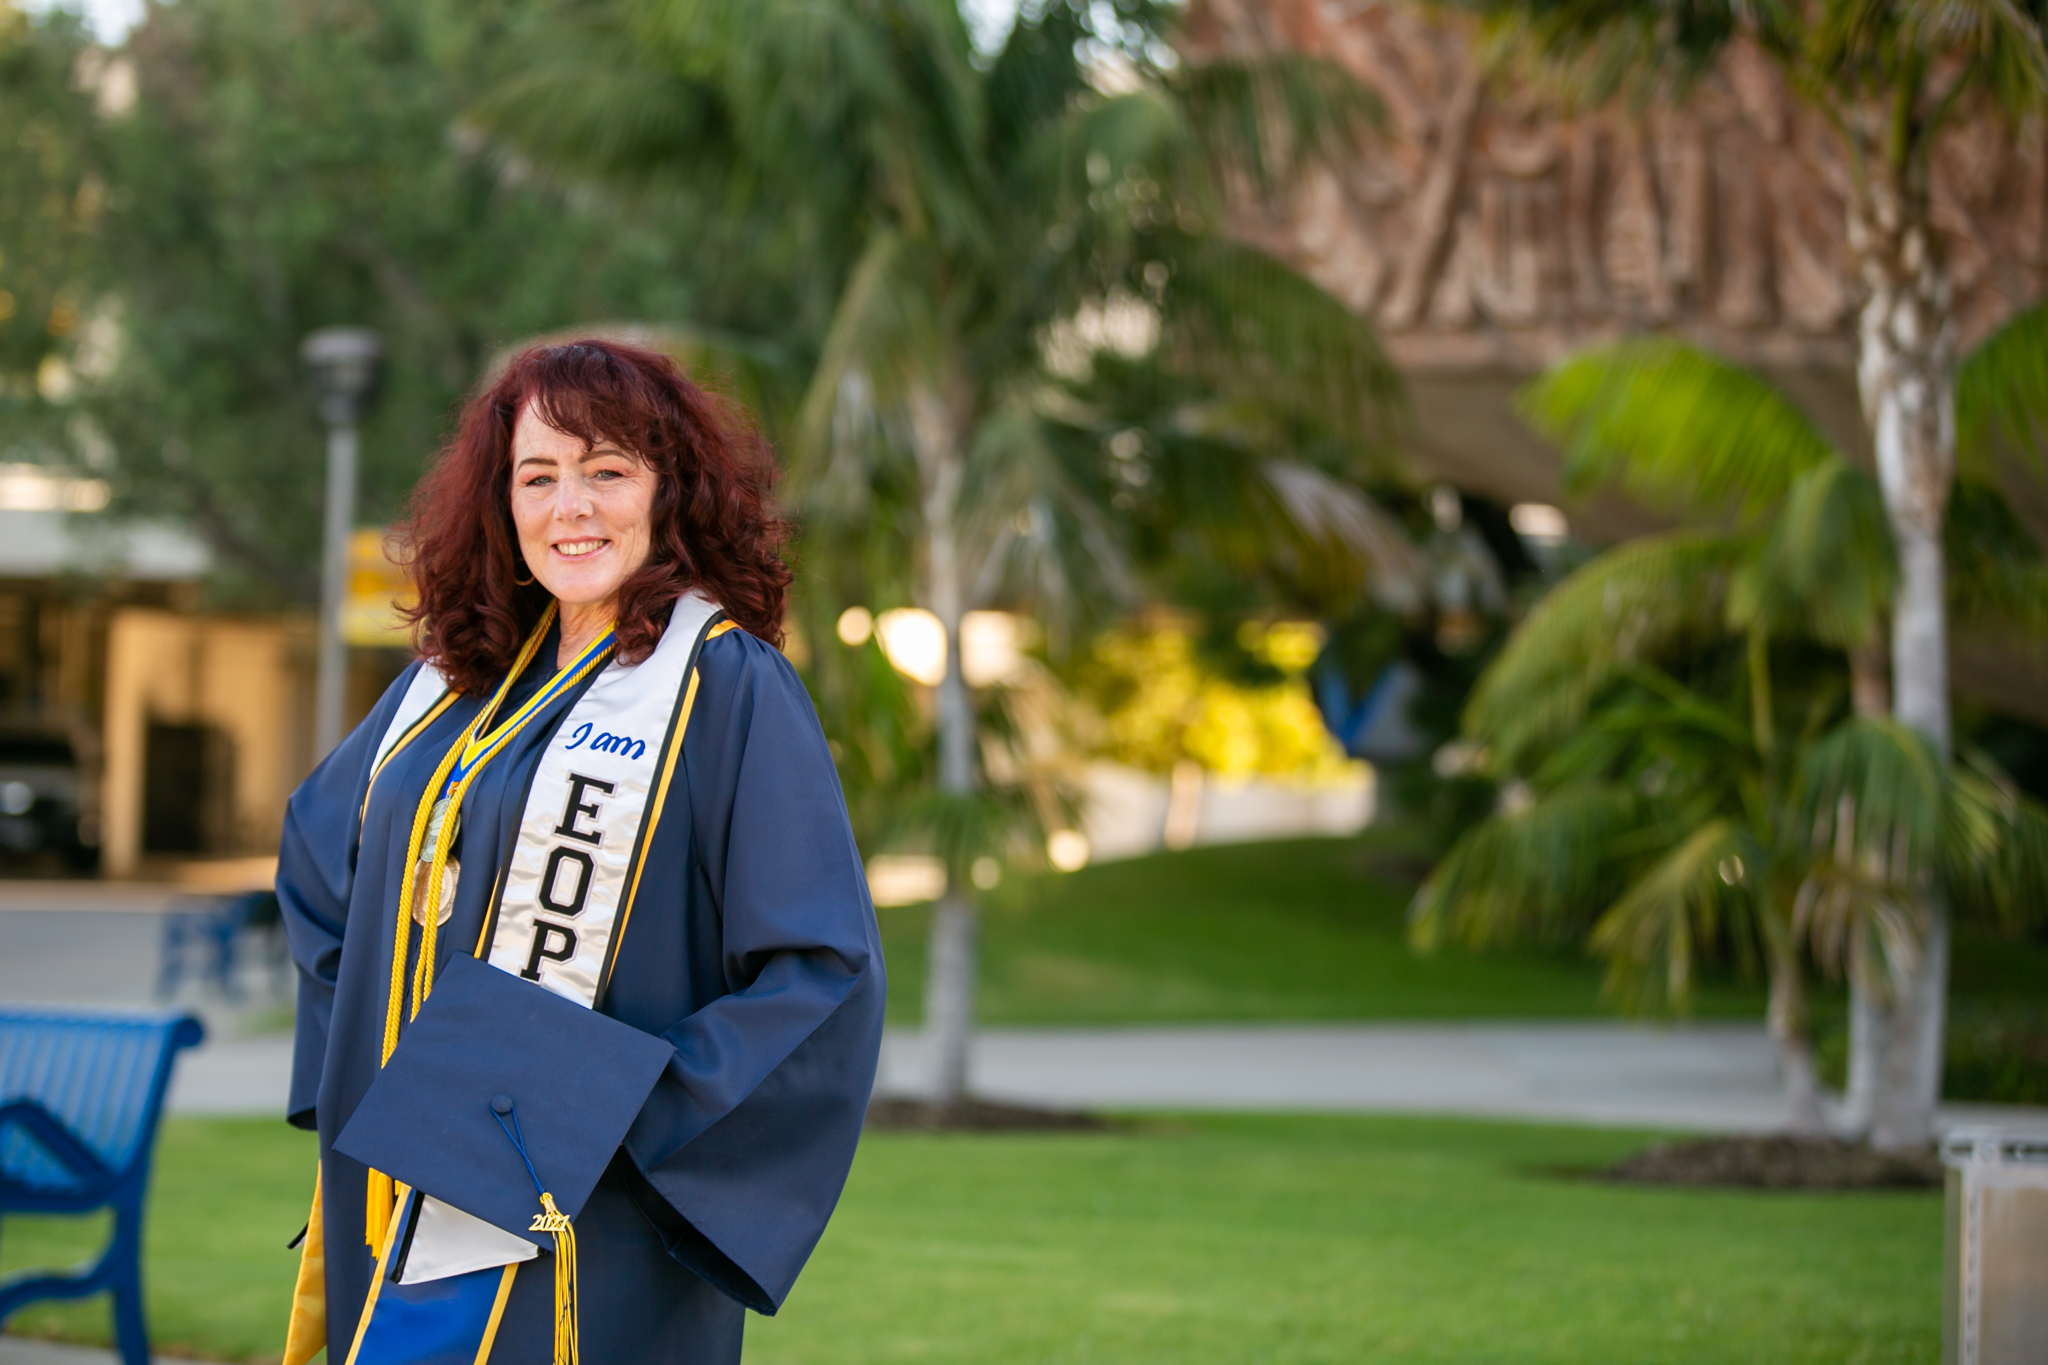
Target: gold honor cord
{"type": "Point", "coordinates": [475, 748]}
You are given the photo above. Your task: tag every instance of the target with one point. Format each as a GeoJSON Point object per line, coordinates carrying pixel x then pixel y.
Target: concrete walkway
{"type": "Point", "coordinates": [21, 1351]}
{"type": "Point", "coordinates": [1700, 1078]}
{"type": "Point", "coordinates": [1703, 1078]}
{"type": "Point", "coordinates": [101, 949]}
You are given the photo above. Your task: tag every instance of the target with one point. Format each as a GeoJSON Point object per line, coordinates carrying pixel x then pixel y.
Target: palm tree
{"type": "Point", "coordinates": [1807, 553]}
{"type": "Point", "coordinates": [994, 219]}
{"type": "Point", "coordinates": [1695, 781]}
{"type": "Point", "coordinates": [1890, 76]}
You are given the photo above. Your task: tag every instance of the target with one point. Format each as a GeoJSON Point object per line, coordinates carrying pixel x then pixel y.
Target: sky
{"type": "Point", "coordinates": [989, 21]}
{"type": "Point", "coordinates": [110, 19]}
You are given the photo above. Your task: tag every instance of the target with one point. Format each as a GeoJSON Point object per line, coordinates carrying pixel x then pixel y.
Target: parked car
{"type": "Point", "coordinates": [41, 803]}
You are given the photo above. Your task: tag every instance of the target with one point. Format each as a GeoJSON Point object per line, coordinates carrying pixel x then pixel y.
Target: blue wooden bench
{"type": "Point", "coordinates": [80, 1094]}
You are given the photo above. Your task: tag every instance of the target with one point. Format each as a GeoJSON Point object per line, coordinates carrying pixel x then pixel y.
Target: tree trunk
{"type": "Point", "coordinates": [1870, 694]}
{"type": "Point", "coordinates": [1870, 679]}
{"type": "Point", "coordinates": [1906, 375]}
{"type": "Point", "coordinates": [1791, 1029]}
{"type": "Point", "coordinates": [949, 994]}
{"type": "Point", "coordinates": [1909, 1076]}
{"type": "Point", "coordinates": [950, 960]}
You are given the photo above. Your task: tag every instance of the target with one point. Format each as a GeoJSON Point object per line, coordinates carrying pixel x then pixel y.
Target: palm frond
{"type": "Point", "coordinates": [1997, 571]}
{"type": "Point", "coordinates": [1540, 873]}
{"type": "Point", "coordinates": [1872, 791]}
{"type": "Point", "coordinates": [1860, 923]}
{"type": "Point", "coordinates": [1638, 602]}
{"type": "Point", "coordinates": [1673, 425]}
{"type": "Point", "coordinates": [1034, 80]}
{"type": "Point", "coordinates": [2002, 391]}
{"type": "Point", "coordinates": [643, 122]}
{"type": "Point", "coordinates": [1253, 327]}
{"type": "Point", "coordinates": [1995, 852]}
{"type": "Point", "coordinates": [1826, 564]}
{"type": "Point", "coordinates": [879, 330]}
{"type": "Point", "coordinates": [1596, 50]}
{"type": "Point", "coordinates": [1034, 531]}
{"type": "Point", "coordinates": [1361, 538]}
{"type": "Point", "coordinates": [1653, 934]}
{"type": "Point", "coordinates": [1103, 146]}
{"type": "Point", "coordinates": [1662, 738]}
{"type": "Point", "coordinates": [2000, 39]}
{"type": "Point", "coordinates": [1263, 119]}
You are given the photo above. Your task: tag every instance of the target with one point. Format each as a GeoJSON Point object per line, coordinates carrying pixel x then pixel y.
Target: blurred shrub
{"type": "Point", "coordinates": [1160, 704]}
{"type": "Point", "coordinates": [1997, 1052]}
{"type": "Point", "coordinates": [1998, 1055]}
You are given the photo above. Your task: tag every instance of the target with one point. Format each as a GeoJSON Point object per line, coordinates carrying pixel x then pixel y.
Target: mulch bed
{"type": "Point", "coordinates": [1778, 1163]}
{"type": "Point", "coordinates": [979, 1116]}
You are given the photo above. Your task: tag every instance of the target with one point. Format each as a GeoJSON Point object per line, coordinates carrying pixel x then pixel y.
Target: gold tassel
{"type": "Point", "coordinates": [556, 1222]}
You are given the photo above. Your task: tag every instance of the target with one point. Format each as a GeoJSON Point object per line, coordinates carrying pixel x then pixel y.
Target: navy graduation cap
{"type": "Point", "coordinates": [575, 1078]}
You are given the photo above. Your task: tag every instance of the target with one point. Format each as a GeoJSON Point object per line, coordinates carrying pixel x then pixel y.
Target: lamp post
{"type": "Point", "coordinates": [343, 364]}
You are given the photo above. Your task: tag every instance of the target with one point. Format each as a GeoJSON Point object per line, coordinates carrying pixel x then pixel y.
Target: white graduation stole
{"type": "Point", "coordinates": [561, 908]}
{"type": "Point", "coordinates": [567, 893]}
{"type": "Point", "coordinates": [564, 900]}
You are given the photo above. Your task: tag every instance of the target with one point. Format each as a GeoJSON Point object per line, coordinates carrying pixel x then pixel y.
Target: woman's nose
{"type": "Point", "coordinates": [572, 499]}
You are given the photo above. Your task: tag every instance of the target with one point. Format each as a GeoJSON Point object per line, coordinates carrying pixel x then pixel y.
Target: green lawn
{"type": "Point", "coordinates": [1197, 1241]}
{"type": "Point", "coordinates": [227, 1195]}
{"type": "Point", "coordinates": [1305, 929]}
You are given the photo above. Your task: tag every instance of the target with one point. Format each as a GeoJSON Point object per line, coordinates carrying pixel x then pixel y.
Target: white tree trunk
{"type": "Point", "coordinates": [1908, 1083]}
{"type": "Point", "coordinates": [950, 960]}
{"type": "Point", "coordinates": [1870, 1024]}
{"type": "Point", "coordinates": [1792, 1035]}
{"type": "Point", "coordinates": [1906, 374]}
{"type": "Point", "coordinates": [949, 995]}
{"type": "Point", "coordinates": [1870, 695]}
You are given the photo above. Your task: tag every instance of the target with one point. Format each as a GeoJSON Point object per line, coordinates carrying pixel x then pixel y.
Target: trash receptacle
{"type": "Point", "coordinates": [1995, 1298]}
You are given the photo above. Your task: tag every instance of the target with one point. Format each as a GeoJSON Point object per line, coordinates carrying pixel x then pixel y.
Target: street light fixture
{"type": "Point", "coordinates": [343, 363]}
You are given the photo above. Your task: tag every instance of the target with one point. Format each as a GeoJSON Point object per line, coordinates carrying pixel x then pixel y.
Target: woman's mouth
{"type": "Point", "coordinates": [578, 549]}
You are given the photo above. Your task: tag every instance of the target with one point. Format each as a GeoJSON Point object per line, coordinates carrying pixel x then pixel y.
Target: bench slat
{"type": "Point", "coordinates": [98, 1073]}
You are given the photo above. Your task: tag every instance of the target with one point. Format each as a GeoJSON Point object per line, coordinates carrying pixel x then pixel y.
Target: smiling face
{"type": "Point", "coordinates": [584, 515]}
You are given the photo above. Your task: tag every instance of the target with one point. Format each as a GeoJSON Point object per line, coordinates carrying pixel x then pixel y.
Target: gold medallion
{"type": "Point", "coordinates": [422, 872]}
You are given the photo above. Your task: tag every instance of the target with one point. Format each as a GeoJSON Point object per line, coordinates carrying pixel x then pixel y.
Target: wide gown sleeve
{"type": "Point", "coordinates": [748, 1134]}
{"type": "Point", "coordinates": [316, 863]}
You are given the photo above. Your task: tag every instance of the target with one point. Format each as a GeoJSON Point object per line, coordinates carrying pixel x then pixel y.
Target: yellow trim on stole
{"type": "Point", "coordinates": [483, 1350]}
{"type": "Point", "coordinates": [412, 732]}
{"type": "Point", "coordinates": [307, 1335]}
{"type": "Point", "coordinates": [383, 1264]}
{"type": "Point", "coordinates": [668, 771]}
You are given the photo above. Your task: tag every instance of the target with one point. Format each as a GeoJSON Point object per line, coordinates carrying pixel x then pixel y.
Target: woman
{"type": "Point", "coordinates": [606, 782]}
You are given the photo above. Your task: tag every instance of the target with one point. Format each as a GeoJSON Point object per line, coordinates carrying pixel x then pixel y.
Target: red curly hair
{"type": "Point", "coordinates": [715, 527]}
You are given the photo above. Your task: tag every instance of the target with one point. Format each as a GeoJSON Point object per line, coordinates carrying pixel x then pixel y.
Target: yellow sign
{"type": "Point", "coordinates": [377, 588]}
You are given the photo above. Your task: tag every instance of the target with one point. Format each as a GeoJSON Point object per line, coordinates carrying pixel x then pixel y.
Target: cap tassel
{"type": "Point", "coordinates": [553, 1221]}
{"type": "Point", "coordinates": [556, 1222]}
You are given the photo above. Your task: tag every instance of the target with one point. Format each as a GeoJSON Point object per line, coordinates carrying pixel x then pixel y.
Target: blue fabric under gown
{"type": "Point", "coordinates": [752, 951]}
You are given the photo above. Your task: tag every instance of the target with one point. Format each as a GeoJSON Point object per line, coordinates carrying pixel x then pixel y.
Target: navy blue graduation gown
{"type": "Point", "coordinates": [751, 953]}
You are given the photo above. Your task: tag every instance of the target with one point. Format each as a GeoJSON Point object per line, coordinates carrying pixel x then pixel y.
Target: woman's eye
{"type": "Point", "coordinates": [538, 480]}
{"type": "Point", "coordinates": [607, 475]}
